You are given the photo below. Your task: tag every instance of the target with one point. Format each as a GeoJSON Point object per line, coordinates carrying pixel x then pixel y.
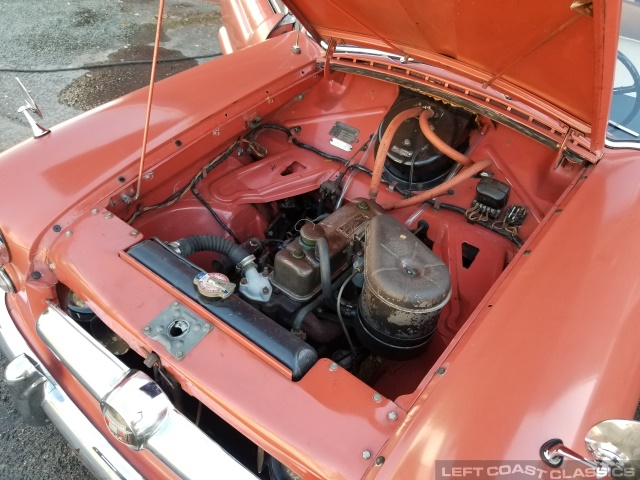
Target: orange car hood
{"type": "Point", "coordinates": [557, 50]}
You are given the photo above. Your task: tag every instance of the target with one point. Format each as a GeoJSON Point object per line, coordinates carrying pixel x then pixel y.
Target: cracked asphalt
{"type": "Point", "coordinates": [72, 33]}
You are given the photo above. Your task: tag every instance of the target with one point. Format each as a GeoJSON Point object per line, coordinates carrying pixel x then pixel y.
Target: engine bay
{"type": "Point", "coordinates": [338, 218]}
{"type": "Point", "coordinates": [357, 223]}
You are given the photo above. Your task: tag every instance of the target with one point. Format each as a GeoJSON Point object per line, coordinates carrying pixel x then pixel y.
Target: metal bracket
{"type": "Point", "coordinates": [575, 147]}
{"type": "Point", "coordinates": [177, 329]}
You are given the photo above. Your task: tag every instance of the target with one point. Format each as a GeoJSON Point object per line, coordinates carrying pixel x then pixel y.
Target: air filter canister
{"type": "Point", "coordinates": [406, 286]}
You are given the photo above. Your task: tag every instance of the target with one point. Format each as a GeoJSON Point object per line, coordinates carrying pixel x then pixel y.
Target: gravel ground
{"type": "Point", "coordinates": [60, 33]}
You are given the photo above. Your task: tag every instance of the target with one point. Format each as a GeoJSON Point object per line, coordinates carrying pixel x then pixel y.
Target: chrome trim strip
{"type": "Point", "coordinates": [100, 458]}
{"type": "Point", "coordinates": [181, 445]}
{"type": "Point", "coordinates": [88, 361]}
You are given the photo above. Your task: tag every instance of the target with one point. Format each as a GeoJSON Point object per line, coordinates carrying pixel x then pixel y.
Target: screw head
{"type": "Point", "coordinates": [36, 275]}
{"type": "Point", "coordinates": [207, 327]}
{"type": "Point", "coordinates": [406, 142]}
{"type": "Point", "coordinates": [147, 329]}
{"type": "Point", "coordinates": [377, 397]}
{"type": "Point", "coordinates": [366, 454]}
{"type": "Point", "coordinates": [392, 416]}
{"type": "Point", "coordinates": [68, 233]}
{"type": "Point", "coordinates": [57, 228]}
{"type": "Point", "coordinates": [108, 215]}
{"type": "Point", "coordinates": [134, 232]}
{"type": "Point", "coordinates": [94, 211]}
{"type": "Point", "coordinates": [441, 371]}
{"type": "Point", "coordinates": [179, 353]}
{"type": "Point", "coordinates": [333, 367]}
{"type": "Point", "coordinates": [265, 290]}
{"type": "Point", "coordinates": [379, 461]}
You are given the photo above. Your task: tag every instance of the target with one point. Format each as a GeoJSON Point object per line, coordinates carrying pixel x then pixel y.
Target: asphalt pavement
{"type": "Point", "coordinates": [58, 34]}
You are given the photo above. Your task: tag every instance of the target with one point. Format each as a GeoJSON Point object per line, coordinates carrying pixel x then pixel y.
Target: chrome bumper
{"type": "Point", "coordinates": [176, 441]}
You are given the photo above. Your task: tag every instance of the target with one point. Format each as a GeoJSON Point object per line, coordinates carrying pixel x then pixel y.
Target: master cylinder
{"type": "Point", "coordinates": [296, 270]}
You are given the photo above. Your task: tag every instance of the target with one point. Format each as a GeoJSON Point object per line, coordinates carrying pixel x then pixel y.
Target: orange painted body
{"type": "Point", "coordinates": [536, 343]}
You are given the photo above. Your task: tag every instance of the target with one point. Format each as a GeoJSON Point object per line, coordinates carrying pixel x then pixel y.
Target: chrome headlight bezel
{"type": "Point", "coordinates": [6, 284]}
{"type": "Point", "coordinates": [5, 255]}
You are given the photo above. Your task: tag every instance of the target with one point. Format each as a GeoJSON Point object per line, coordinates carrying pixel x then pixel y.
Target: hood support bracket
{"type": "Point", "coordinates": [154, 65]}
{"type": "Point", "coordinates": [576, 149]}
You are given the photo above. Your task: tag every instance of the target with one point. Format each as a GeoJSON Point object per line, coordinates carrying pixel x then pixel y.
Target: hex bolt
{"type": "Point", "coordinates": [134, 232]}
{"type": "Point", "coordinates": [179, 353]}
{"type": "Point", "coordinates": [333, 367]}
{"type": "Point", "coordinates": [392, 416]}
{"type": "Point", "coordinates": [207, 327]}
{"type": "Point", "coordinates": [377, 397]}
{"type": "Point", "coordinates": [366, 454]}
{"type": "Point", "coordinates": [379, 461]}
{"type": "Point", "coordinates": [406, 142]}
{"type": "Point", "coordinates": [94, 211]}
{"type": "Point", "coordinates": [147, 329]}
{"type": "Point", "coordinates": [68, 233]}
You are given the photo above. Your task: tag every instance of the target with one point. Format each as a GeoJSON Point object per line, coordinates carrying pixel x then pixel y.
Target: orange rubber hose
{"type": "Point", "coordinates": [441, 189]}
{"type": "Point", "coordinates": [437, 142]}
{"type": "Point", "coordinates": [383, 148]}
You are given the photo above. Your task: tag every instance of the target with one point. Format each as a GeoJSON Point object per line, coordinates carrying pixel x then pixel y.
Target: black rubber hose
{"type": "Point", "coordinates": [325, 270]}
{"type": "Point", "coordinates": [209, 243]}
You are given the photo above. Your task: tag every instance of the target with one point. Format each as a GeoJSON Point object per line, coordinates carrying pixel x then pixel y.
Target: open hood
{"type": "Point", "coordinates": [561, 51]}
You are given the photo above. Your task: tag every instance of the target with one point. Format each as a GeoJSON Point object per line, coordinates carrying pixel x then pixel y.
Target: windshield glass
{"type": "Point", "coordinates": [624, 120]}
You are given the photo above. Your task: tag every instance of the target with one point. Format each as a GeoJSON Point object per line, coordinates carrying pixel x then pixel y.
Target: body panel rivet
{"type": "Point", "coordinates": [393, 416]}
{"type": "Point", "coordinates": [68, 233]}
{"type": "Point", "coordinates": [179, 353]}
{"type": "Point", "coordinates": [207, 327]}
{"type": "Point", "coordinates": [333, 367]}
{"type": "Point", "coordinates": [134, 232]}
{"type": "Point", "coordinates": [440, 371]}
{"type": "Point", "coordinates": [94, 211]}
{"type": "Point", "coordinates": [377, 397]}
{"type": "Point", "coordinates": [379, 461]}
{"type": "Point", "coordinates": [366, 454]}
{"type": "Point", "coordinates": [108, 215]}
{"type": "Point", "coordinates": [147, 329]}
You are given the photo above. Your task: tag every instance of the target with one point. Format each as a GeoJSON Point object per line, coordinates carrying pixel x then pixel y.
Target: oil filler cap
{"type": "Point", "coordinates": [213, 285]}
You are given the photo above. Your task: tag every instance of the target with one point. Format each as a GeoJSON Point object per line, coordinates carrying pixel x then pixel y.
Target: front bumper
{"type": "Point", "coordinates": [177, 442]}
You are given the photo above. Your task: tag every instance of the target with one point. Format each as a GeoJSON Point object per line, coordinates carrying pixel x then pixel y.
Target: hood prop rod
{"type": "Point", "coordinates": [154, 64]}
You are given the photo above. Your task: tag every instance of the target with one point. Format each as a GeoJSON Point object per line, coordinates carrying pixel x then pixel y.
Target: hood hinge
{"type": "Point", "coordinates": [328, 55]}
{"type": "Point", "coordinates": [576, 148]}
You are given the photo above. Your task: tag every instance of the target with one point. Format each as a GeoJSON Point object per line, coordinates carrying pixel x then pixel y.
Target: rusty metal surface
{"type": "Point", "coordinates": [297, 269]}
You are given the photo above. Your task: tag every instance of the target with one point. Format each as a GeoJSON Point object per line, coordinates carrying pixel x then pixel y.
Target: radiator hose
{"type": "Point", "coordinates": [254, 286]}
{"type": "Point", "coordinates": [209, 243]}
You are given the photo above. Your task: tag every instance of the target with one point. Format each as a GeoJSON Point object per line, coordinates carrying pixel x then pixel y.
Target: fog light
{"type": "Point", "coordinates": [135, 410]}
{"type": "Point", "coordinates": [6, 284]}
{"type": "Point", "coordinates": [5, 256]}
